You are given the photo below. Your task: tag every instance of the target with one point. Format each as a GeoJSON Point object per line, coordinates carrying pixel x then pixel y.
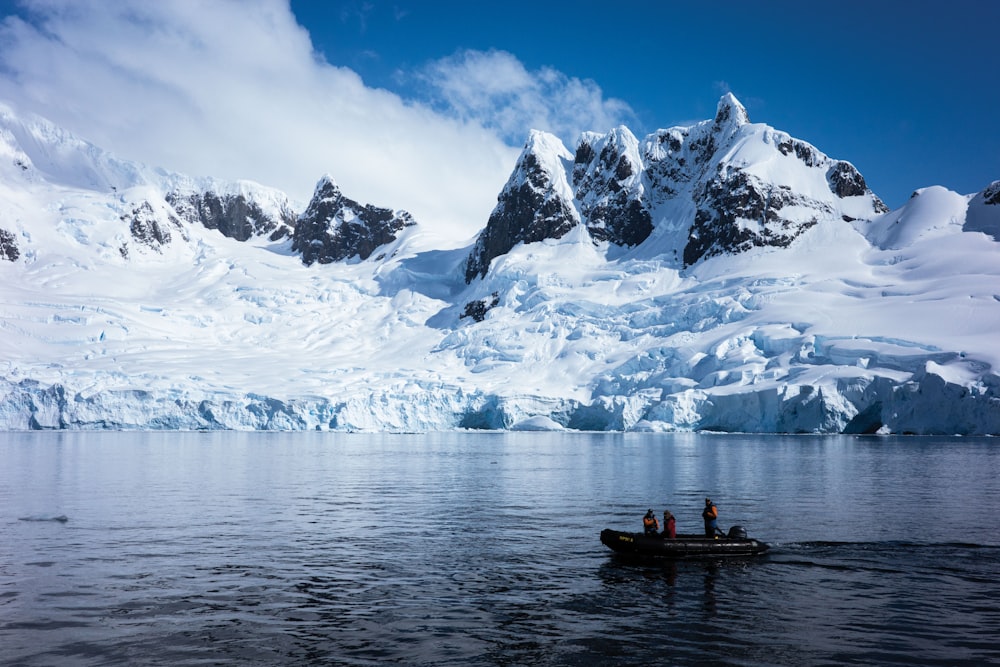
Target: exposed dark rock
{"type": "Point", "coordinates": [477, 309]}
{"type": "Point", "coordinates": [703, 148]}
{"type": "Point", "coordinates": [146, 227]}
{"type": "Point", "coordinates": [8, 246]}
{"type": "Point", "coordinates": [233, 215]}
{"type": "Point", "coordinates": [610, 199]}
{"type": "Point", "coordinates": [803, 151]}
{"type": "Point", "coordinates": [623, 169]}
{"type": "Point", "coordinates": [584, 155]}
{"type": "Point", "coordinates": [991, 195]}
{"type": "Point", "coordinates": [845, 181]}
{"type": "Point", "coordinates": [527, 211]}
{"type": "Point", "coordinates": [621, 221]}
{"type": "Point", "coordinates": [617, 187]}
{"type": "Point", "coordinates": [737, 212]}
{"type": "Point", "coordinates": [730, 112]}
{"type": "Point", "coordinates": [334, 227]}
{"type": "Point", "coordinates": [666, 164]}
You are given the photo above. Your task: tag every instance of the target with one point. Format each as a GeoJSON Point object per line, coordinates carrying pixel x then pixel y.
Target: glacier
{"type": "Point", "coordinates": [717, 277]}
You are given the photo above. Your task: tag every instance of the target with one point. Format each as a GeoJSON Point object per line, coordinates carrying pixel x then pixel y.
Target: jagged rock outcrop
{"type": "Point", "coordinates": [8, 246]}
{"type": "Point", "coordinates": [535, 204]}
{"type": "Point", "coordinates": [334, 228]}
{"type": "Point", "coordinates": [991, 194]}
{"type": "Point", "coordinates": [738, 211]}
{"type": "Point", "coordinates": [477, 309]}
{"type": "Point", "coordinates": [745, 196]}
{"type": "Point", "coordinates": [721, 186]}
{"type": "Point", "coordinates": [846, 181]}
{"type": "Point", "coordinates": [551, 191]}
{"type": "Point", "coordinates": [607, 179]}
{"type": "Point", "coordinates": [677, 157]}
{"type": "Point", "coordinates": [148, 226]}
{"type": "Point", "coordinates": [237, 216]}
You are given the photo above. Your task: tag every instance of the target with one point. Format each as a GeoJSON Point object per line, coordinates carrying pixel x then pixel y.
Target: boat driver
{"type": "Point", "coordinates": [711, 517]}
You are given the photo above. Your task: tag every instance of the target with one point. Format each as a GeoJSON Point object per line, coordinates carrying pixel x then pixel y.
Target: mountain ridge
{"type": "Point", "coordinates": [721, 276]}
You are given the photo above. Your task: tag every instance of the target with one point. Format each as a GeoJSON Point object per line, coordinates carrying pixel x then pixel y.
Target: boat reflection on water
{"type": "Point", "coordinates": [699, 585]}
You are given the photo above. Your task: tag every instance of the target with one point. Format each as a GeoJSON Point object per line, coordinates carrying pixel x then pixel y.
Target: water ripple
{"type": "Point", "coordinates": [463, 551]}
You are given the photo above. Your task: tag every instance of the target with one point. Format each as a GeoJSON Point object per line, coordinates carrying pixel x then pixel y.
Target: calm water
{"type": "Point", "coordinates": [293, 549]}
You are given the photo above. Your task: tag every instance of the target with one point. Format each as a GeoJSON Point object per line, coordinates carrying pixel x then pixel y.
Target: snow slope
{"type": "Point", "coordinates": [119, 311]}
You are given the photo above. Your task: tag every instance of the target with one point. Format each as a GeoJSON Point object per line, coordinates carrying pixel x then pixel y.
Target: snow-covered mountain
{"type": "Point", "coordinates": [722, 186]}
{"type": "Point", "coordinates": [722, 276]}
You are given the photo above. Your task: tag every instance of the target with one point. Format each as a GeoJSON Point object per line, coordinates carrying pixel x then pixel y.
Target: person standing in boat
{"type": "Point", "coordinates": [669, 525]}
{"type": "Point", "coordinates": [711, 517]}
{"type": "Point", "coordinates": [650, 524]}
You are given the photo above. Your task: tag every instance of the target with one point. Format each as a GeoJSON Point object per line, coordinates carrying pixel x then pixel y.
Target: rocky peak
{"type": "Point", "coordinates": [766, 189]}
{"type": "Point", "coordinates": [535, 204]}
{"type": "Point", "coordinates": [678, 156]}
{"type": "Point", "coordinates": [607, 178]}
{"type": "Point", "coordinates": [612, 159]}
{"type": "Point", "coordinates": [326, 190]}
{"type": "Point", "coordinates": [550, 191]}
{"type": "Point", "coordinates": [334, 227]}
{"type": "Point", "coordinates": [720, 186]}
{"type": "Point", "coordinates": [730, 113]}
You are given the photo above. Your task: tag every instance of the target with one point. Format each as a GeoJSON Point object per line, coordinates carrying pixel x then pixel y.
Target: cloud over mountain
{"type": "Point", "coordinates": [235, 90]}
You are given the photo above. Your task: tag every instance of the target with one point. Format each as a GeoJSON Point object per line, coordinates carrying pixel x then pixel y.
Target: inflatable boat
{"type": "Point", "coordinates": [734, 543]}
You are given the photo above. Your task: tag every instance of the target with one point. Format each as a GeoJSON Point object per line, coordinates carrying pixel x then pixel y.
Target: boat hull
{"type": "Point", "coordinates": [683, 546]}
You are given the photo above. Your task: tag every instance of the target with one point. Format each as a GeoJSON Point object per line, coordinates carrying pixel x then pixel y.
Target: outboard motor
{"type": "Point", "coordinates": [737, 533]}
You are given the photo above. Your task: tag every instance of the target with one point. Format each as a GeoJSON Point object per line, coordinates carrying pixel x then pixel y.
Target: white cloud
{"type": "Point", "coordinates": [722, 87]}
{"type": "Point", "coordinates": [233, 89]}
{"type": "Point", "coordinates": [494, 89]}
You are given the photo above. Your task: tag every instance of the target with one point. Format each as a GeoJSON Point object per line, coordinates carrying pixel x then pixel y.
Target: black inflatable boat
{"type": "Point", "coordinates": [735, 543]}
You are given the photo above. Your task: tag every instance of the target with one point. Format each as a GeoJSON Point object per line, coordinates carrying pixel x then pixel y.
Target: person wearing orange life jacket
{"type": "Point", "coordinates": [650, 524]}
{"type": "Point", "coordinates": [669, 525]}
{"type": "Point", "coordinates": [711, 517]}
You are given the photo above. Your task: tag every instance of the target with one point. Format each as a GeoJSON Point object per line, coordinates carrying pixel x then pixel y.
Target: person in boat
{"type": "Point", "coordinates": [649, 523]}
{"type": "Point", "coordinates": [669, 525]}
{"type": "Point", "coordinates": [711, 516]}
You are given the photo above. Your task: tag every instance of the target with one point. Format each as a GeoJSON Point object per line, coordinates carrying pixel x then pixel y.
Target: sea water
{"type": "Point", "coordinates": [483, 549]}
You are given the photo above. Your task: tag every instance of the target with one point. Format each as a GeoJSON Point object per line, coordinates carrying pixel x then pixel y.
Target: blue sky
{"type": "Point", "coordinates": [905, 90]}
{"type": "Point", "coordinates": [424, 105]}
